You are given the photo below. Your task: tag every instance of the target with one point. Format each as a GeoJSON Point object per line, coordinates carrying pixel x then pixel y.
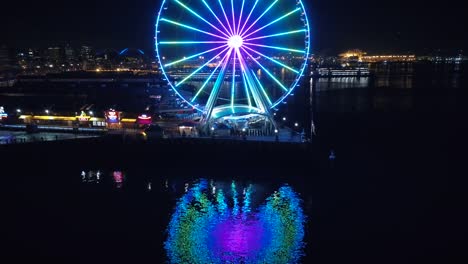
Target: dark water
{"type": "Point", "coordinates": [396, 192]}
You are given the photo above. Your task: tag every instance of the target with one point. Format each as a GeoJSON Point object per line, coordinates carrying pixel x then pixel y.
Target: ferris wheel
{"type": "Point", "coordinates": [232, 57]}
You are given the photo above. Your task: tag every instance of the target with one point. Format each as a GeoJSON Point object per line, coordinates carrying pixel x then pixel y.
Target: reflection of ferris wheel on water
{"type": "Point", "coordinates": [232, 57]}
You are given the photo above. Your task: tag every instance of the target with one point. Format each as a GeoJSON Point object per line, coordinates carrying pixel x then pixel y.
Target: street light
{"type": "Point", "coordinates": [296, 124]}
{"type": "Point", "coordinates": [18, 110]}
{"type": "Point", "coordinates": [47, 111]}
{"type": "Point", "coordinates": [276, 130]}
{"type": "Point", "coordinates": [90, 112]}
{"type": "Point", "coordinates": [284, 118]}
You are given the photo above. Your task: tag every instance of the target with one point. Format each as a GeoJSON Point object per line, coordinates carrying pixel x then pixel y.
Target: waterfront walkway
{"type": "Point", "coordinates": [18, 137]}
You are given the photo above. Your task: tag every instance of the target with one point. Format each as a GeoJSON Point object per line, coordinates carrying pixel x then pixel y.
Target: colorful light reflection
{"type": "Point", "coordinates": [3, 114]}
{"type": "Point", "coordinates": [221, 227]}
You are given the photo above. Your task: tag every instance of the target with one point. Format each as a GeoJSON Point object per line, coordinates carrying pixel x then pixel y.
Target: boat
{"type": "Point", "coordinates": [328, 72]}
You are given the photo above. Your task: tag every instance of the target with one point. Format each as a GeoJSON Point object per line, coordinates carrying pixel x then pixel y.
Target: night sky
{"type": "Point", "coordinates": [337, 25]}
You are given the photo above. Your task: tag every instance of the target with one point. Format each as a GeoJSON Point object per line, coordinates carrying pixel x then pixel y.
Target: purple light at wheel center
{"type": "Point", "coordinates": [235, 41]}
{"type": "Point", "coordinates": [237, 237]}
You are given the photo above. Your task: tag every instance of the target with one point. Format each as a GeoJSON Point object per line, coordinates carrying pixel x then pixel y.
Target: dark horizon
{"type": "Point", "coordinates": [373, 26]}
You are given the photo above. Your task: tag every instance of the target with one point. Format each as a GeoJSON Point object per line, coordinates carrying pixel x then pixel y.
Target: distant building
{"type": "Point", "coordinates": [32, 53]}
{"type": "Point", "coordinates": [70, 54]}
{"type": "Point", "coordinates": [87, 56]}
{"type": "Point", "coordinates": [86, 53]}
{"type": "Point", "coordinates": [361, 56]}
{"type": "Point", "coordinates": [55, 54]}
{"type": "Point", "coordinates": [354, 55]}
{"type": "Point", "coordinates": [443, 59]}
{"type": "Point", "coordinates": [388, 58]}
{"type": "Point", "coordinates": [6, 58]}
{"type": "Point", "coordinates": [136, 59]}
{"type": "Point", "coordinates": [106, 59]}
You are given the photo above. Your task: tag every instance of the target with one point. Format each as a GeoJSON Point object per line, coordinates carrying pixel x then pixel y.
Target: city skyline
{"type": "Point", "coordinates": [335, 25]}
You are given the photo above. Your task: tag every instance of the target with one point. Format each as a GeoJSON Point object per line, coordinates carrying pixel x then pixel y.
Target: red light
{"type": "Point", "coordinates": [118, 176]}
{"type": "Point", "coordinates": [144, 119]}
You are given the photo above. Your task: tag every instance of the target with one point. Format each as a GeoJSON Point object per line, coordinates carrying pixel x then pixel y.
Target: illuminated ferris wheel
{"type": "Point", "coordinates": [232, 57]}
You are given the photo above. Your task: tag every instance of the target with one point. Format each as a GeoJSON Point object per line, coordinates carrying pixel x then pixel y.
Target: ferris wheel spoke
{"type": "Point", "coordinates": [255, 22]}
{"type": "Point", "coordinates": [240, 17]}
{"type": "Point", "coordinates": [233, 84]}
{"type": "Point", "coordinates": [214, 14]}
{"type": "Point", "coordinates": [251, 85]}
{"type": "Point", "coordinates": [267, 71]}
{"type": "Point", "coordinates": [225, 16]}
{"type": "Point", "coordinates": [272, 22]}
{"type": "Point", "coordinates": [192, 28]}
{"type": "Point", "coordinates": [200, 17]}
{"type": "Point", "coordinates": [275, 47]}
{"type": "Point", "coordinates": [209, 77]}
{"type": "Point", "coordinates": [246, 90]}
{"type": "Point", "coordinates": [189, 42]}
{"type": "Point", "coordinates": [248, 17]}
{"type": "Point", "coordinates": [253, 82]}
{"type": "Point", "coordinates": [217, 85]}
{"type": "Point", "coordinates": [247, 85]}
{"type": "Point", "coordinates": [261, 88]}
{"type": "Point", "coordinates": [193, 56]}
{"type": "Point", "coordinates": [233, 18]}
{"type": "Point", "coordinates": [200, 68]}
{"type": "Point", "coordinates": [276, 35]}
{"type": "Point", "coordinates": [273, 60]}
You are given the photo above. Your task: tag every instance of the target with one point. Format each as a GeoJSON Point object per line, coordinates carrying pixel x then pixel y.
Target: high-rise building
{"type": "Point", "coordinates": [69, 53]}
{"type": "Point", "coordinates": [87, 56]}
{"type": "Point", "coordinates": [33, 53]}
{"type": "Point", "coordinates": [86, 53]}
{"type": "Point", "coordinates": [6, 58]}
{"type": "Point", "coordinates": [55, 54]}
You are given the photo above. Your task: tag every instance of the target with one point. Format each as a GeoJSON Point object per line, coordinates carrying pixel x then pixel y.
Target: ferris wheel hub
{"type": "Point", "coordinates": [235, 41]}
